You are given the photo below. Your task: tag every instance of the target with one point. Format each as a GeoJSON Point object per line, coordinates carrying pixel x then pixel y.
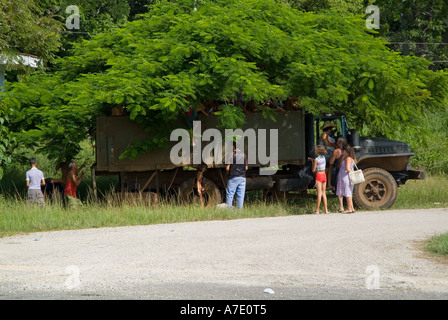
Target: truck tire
{"type": "Point", "coordinates": [379, 190]}
{"type": "Point", "coordinates": [211, 194]}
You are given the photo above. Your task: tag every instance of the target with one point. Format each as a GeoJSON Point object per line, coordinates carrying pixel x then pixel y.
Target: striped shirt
{"type": "Point", "coordinates": [321, 162]}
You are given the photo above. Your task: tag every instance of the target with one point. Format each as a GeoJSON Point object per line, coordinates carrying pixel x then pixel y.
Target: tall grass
{"type": "Point", "coordinates": [17, 217]}
{"type": "Point", "coordinates": [432, 192]}
{"type": "Point", "coordinates": [438, 245]}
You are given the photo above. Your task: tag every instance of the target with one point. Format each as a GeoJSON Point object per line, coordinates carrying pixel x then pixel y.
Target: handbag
{"type": "Point", "coordinates": [357, 176]}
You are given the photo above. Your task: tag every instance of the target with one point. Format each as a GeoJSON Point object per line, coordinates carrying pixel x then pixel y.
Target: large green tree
{"type": "Point", "coordinates": [25, 27]}
{"type": "Point", "coordinates": [176, 57]}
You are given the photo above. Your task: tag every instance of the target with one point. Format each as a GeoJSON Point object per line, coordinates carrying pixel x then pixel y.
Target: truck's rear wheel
{"type": "Point", "coordinates": [379, 190]}
{"type": "Point", "coordinates": [211, 194]}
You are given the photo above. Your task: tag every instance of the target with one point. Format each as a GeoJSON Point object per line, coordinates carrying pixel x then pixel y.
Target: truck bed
{"type": "Point", "coordinates": [114, 134]}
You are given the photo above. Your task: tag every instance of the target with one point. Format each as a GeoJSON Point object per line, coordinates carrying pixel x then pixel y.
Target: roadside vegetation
{"type": "Point", "coordinates": [438, 245]}
{"type": "Point", "coordinates": [16, 217]}
{"type": "Point", "coordinates": [185, 52]}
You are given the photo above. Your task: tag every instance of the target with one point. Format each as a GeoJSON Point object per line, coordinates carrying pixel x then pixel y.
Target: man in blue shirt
{"type": "Point", "coordinates": [34, 180]}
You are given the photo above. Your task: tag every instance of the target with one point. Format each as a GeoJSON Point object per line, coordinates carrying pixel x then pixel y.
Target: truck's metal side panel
{"type": "Point", "coordinates": [291, 134]}
{"type": "Point", "coordinates": [102, 162]}
{"type": "Point", "coordinates": [114, 134]}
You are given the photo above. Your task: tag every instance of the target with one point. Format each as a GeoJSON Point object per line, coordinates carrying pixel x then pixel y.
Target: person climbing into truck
{"type": "Point", "coordinates": [198, 188]}
{"type": "Point", "coordinates": [191, 117]}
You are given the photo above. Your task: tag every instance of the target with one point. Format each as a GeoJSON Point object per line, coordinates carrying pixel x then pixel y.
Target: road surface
{"type": "Point", "coordinates": [366, 255]}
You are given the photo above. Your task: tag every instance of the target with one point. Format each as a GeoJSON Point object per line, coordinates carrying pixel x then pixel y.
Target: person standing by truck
{"type": "Point", "coordinates": [344, 187]}
{"type": "Point", "coordinates": [319, 164]}
{"type": "Point", "coordinates": [335, 161]}
{"type": "Point", "coordinates": [236, 184]}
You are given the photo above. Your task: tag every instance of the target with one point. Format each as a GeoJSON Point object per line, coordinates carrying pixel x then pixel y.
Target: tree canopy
{"type": "Point", "coordinates": [181, 54]}
{"type": "Point", "coordinates": [349, 6]}
{"type": "Point", "coordinates": [417, 27]}
{"type": "Point", "coordinates": [26, 28]}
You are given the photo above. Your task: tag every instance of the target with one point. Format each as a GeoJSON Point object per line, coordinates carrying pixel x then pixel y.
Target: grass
{"type": "Point", "coordinates": [438, 245]}
{"type": "Point", "coordinates": [17, 217]}
{"type": "Point", "coordinates": [432, 192]}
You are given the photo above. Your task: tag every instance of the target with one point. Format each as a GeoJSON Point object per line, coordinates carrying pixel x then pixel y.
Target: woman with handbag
{"type": "Point", "coordinates": [344, 188]}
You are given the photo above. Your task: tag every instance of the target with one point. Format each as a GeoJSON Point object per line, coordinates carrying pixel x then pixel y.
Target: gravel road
{"type": "Point", "coordinates": [366, 255]}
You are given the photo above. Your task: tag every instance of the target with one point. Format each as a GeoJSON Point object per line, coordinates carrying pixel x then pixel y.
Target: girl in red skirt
{"type": "Point", "coordinates": [319, 164]}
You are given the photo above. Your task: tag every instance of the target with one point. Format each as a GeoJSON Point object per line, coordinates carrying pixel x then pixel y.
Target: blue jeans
{"type": "Point", "coordinates": [236, 185]}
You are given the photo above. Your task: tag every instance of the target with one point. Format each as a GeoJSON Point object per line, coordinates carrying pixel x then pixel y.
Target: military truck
{"type": "Point", "coordinates": [386, 163]}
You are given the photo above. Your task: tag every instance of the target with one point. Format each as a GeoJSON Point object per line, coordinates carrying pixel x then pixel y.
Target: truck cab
{"type": "Point", "coordinates": [385, 163]}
